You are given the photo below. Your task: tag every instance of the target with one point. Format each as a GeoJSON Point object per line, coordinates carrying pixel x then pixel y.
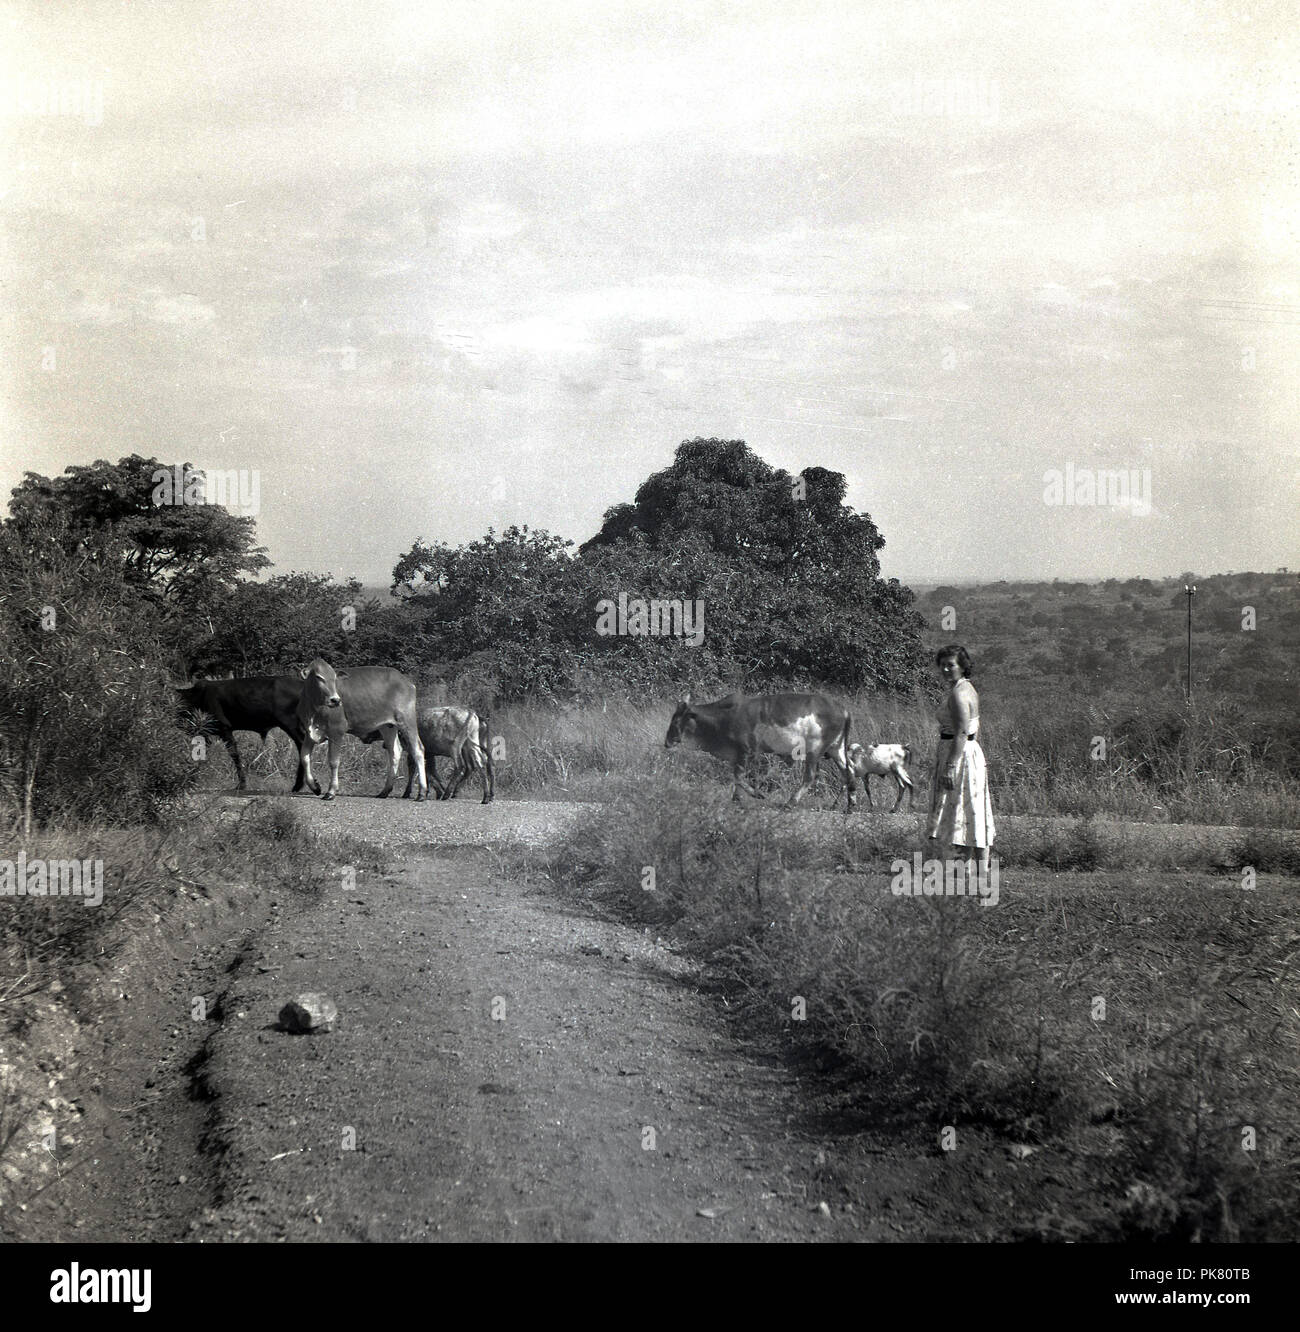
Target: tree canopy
{"type": "Point", "coordinates": [786, 576]}
{"type": "Point", "coordinates": [186, 556]}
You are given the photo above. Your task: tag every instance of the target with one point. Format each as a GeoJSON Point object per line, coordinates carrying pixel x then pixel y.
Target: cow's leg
{"type": "Point", "coordinates": [904, 785]}
{"type": "Point", "coordinates": [410, 738]}
{"type": "Point", "coordinates": [740, 782]}
{"type": "Point", "coordinates": [393, 747]}
{"type": "Point", "coordinates": [303, 776]}
{"type": "Point", "coordinates": [466, 761]}
{"type": "Point", "coordinates": [228, 739]}
{"type": "Point", "coordinates": [807, 768]}
{"type": "Point", "coordinates": [336, 756]}
{"type": "Point", "coordinates": [489, 777]}
{"type": "Point", "coordinates": [430, 766]}
{"type": "Point", "coordinates": [305, 747]}
{"type": "Point", "coordinates": [837, 756]}
{"type": "Point", "coordinates": [840, 749]}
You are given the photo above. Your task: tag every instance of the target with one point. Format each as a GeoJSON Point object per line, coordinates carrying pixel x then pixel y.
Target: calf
{"type": "Point", "coordinates": [321, 715]}
{"type": "Point", "coordinates": [883, 761]}
{"type": "Point", "coordinates": [804, 728]}
{"type": "Point", "coordinates": [460, 734]}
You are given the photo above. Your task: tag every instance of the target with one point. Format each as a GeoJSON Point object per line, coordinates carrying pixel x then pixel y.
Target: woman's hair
{"type": "Point", "coordinates": [958, 652]}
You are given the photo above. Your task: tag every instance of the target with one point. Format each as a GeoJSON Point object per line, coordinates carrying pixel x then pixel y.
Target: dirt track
{"type": "Point", "coordinates": [603, 1100]}
{"type": "Point", "coordinates": [502, 1068]}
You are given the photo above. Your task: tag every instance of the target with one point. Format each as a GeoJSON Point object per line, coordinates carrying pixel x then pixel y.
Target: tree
{"type": "Point", "coordinates": [786, 576]}
{"type": "Point", "coordinates": [503, 604]}
{"type": "Point", "coordinates": [185, 555]}
{"type": "Point", "coordinates": [792, 573]}
{"type": "Point", "coordinates": [271, 627]}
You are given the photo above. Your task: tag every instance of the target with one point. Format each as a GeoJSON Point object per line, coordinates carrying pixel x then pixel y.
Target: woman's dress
{"type": "Point", "coordinates": [964, 815]}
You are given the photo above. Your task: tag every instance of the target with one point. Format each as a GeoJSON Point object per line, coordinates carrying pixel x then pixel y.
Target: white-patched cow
{"type": "Point", "coordinates": [804, 728]}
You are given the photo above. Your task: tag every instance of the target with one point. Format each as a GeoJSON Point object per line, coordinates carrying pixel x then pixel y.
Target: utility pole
{"type": "Point", "coordinates": [1190, 589]}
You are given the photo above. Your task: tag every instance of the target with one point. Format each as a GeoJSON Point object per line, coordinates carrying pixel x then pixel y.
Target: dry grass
{"type": "Point", "coordinates": [951, 1012]}
{"type": "Point", "coordinates": [1039, 765]}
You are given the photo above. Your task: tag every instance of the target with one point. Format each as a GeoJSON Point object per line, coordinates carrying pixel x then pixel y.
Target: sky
{"type": "Point", "coordinates": [430, 268]}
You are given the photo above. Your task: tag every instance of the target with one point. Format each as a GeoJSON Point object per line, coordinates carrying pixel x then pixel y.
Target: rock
{"type": "Point", "coordinates": [308, 1012]}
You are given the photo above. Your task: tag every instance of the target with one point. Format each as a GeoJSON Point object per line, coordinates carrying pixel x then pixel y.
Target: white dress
{"type": "Point", "coordinates": [964, 815]}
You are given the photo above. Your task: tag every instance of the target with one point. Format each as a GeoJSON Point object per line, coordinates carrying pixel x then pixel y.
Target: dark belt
{"type": "Point", "coordinates": [948, 735]}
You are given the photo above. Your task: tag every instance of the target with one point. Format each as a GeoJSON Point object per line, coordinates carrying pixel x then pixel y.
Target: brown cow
{"type": "Point", "coordinates": [372, 703]}
{"type": "Point", "coordinates": [804, 728]}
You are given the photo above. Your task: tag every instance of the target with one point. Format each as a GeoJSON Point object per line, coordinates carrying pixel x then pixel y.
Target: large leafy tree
{"type": "Point", "coordinates": [181, 552]}
{"type": "Point", "coordinates": [794, 589]}
{"type": "Point", "coordinates": [788, 576]}
{"type": "Point", "coordinates": [185, 558]}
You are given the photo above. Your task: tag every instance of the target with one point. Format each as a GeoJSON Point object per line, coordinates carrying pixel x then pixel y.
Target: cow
{"type": "Point", "coordinates": [883, 761]}
{"type": "Point", "coordinates": [804, 728]}
{"type": "Point", "coordinates": [370, 702]}
{"type": "Point", "coordinates": [460, 734]}
{"type": "Point", "coordinates": [259, 703]}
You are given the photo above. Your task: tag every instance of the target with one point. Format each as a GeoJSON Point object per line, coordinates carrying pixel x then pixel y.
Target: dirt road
{"type": "Point", "coordinates": [503, 1067]}
{"type": "Point", "coordinates": [500, 1069]}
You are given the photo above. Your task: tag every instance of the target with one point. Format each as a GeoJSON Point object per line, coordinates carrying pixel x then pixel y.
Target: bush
{"type": "Point", "coordinates": [87, 721]}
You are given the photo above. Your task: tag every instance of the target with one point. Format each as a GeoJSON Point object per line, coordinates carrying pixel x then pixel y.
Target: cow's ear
{"type": "Point", "coordinates": [686, 702]}
{"type": "Point", "coordinates": [340, 675]}
{"type": "Point", "coordinates": [303, 672]}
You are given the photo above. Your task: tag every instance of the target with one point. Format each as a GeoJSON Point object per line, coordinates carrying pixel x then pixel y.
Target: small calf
{"type": "Point", "coordinates": [883, 761]}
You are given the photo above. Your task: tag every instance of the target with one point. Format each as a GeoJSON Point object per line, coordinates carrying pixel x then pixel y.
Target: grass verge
{"type": "Point", "coordinates": [1136, 1020]}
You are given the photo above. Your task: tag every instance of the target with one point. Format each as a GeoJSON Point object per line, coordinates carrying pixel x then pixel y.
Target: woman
{"type": "Point", "coordinates": [961, 814]}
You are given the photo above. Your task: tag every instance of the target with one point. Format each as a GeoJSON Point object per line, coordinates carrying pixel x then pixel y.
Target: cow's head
{"type": "Point", "coordinates": [683, 725]}
{"type": "Point", "coordinates": [320, 684]}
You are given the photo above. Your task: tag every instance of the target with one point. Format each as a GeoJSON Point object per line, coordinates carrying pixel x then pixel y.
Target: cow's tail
{"type": "Point", "coordinates": [489, 780]}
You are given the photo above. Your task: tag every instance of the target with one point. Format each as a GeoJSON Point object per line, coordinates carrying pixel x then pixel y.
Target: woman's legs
{"type": "Point", "coordinates": [975, 861]}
